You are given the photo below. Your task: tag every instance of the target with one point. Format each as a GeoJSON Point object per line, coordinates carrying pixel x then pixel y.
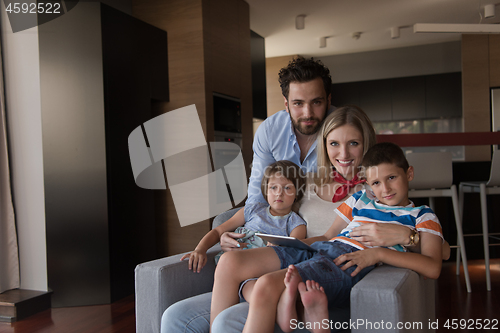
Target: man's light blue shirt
{"type": "Point", "coordinates": [275, 140]}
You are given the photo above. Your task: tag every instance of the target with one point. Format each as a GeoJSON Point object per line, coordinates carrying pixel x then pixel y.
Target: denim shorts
{"type": "Point", "coordinates": [319, 266]}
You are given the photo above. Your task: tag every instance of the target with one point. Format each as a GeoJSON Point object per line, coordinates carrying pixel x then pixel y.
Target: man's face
{"type": "Point", "coordinates": [307, 105]}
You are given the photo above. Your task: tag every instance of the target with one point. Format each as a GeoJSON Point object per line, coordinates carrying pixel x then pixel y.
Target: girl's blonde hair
{"type": "Point", "coordinates": [348, 114]}
{"type": "Point", "coordinates": [290, 171]}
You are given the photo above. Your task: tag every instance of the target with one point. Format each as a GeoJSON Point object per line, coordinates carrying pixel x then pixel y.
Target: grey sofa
{"type": "Point", "coordinates": [388, 299]}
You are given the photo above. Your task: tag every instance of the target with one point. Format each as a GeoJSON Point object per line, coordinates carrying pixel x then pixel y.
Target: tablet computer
{"type": "Point", "coordinates": [286, 241]}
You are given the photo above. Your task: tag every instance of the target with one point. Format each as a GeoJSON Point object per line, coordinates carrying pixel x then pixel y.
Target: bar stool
{"type": "Point", "coordinates": [492, 186]}
{"type": "Point", "coordinates": [434, 178]}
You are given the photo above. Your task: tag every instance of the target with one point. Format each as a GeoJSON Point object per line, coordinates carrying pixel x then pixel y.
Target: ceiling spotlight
{"type": "Point", "coordinates": [300, 22]}
{"type": "Point", "coordinates": [394, 32]}
{"type": "Point", "coordinates": [489, 11]}
{"type": "Point", "coordinates": [322, 42]}
{"type": "Point", "coordinates": [356, 35]}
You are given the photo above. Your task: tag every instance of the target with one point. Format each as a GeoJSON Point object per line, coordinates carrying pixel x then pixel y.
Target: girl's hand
{"type": "Point", "coordinates": [197, 259]}
{"type": "Point", "coordinates": [381, 234]}
{"type": "Point", "coordinates": [362, 259]}
{"type": "Point", "coordinates": [228, 241]}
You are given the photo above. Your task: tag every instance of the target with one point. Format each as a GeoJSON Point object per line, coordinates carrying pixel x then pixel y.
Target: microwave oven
{"type": "Point", "coordinates": [227, 114]}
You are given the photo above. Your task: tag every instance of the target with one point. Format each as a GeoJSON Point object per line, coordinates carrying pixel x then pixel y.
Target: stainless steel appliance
{"type": "Point", "coordinates": [227, 114]}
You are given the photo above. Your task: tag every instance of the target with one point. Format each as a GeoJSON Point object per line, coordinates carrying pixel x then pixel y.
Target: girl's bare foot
{"type": "Point", "coordinates": [287, 304]}
{"type": "Point", "coordinates": [315, 306]}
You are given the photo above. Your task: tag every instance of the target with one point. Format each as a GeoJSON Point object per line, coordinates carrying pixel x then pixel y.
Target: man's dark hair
{"type": "Point", "coordinates": [385, 152]}
{"type": "Point", "coordinates": [304, 70]}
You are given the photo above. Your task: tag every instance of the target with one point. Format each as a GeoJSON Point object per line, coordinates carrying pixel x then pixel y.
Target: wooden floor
{"type": "Point", "coordinates": [453, 302]}
{"type": "Point", "coordinates": [117, 317]}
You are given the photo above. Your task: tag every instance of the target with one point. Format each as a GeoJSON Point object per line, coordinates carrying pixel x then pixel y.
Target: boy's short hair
{"type": "Point", "coordinates": [290, 171]}
{"type": "Point", "coordinates": [385, 152]}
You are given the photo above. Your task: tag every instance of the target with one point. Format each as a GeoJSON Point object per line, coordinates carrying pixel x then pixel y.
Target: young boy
{"type": "Point", "coordinates": [338, 263]}
{"type": "Point", "coordinates": [388, 174]}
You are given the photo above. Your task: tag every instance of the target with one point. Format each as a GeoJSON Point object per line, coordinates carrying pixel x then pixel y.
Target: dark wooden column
{"type": "Point", "coordinates": [101, 70]}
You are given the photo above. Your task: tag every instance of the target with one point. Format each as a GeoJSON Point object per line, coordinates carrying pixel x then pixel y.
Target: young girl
{"type": "Point", "coordinates": [282, 186]}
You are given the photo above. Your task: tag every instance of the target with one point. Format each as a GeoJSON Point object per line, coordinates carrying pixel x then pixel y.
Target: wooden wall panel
{"type": "Point", "coordinates": [274, 97]}
{"type": "Point", "coordinates": [258, 60]}
{"type": "Point", "coordinates": [476, 92]}
{"type": "Point", "coordinates": [223, 56]}
{"type": "Point", "coordinates": [228, 62]}
{"type": "Point", "coordinates": [209, 51]}
{"type": "Point", "coordinates": [182, 19]}
{"type": "Point", "coordinates": [494, 48]}
{"type": "Point", "coordinates": [245, 72]}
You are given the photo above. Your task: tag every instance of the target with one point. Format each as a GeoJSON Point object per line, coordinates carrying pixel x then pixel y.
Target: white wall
{"type": "Point", "coordinates": [392, 63]}
{"type": "Point", "coordinates": [24, 127]}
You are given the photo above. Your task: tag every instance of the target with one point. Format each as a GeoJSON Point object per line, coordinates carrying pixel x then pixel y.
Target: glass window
{"type": "Point", "coordinates": [441, 125]}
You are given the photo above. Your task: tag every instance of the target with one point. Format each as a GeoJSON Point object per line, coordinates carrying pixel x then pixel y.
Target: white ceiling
{"type": "Point", "coordinates": [338, 19]}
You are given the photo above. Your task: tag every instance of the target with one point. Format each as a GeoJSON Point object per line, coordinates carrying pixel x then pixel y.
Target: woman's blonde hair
{"type": "Point", "coordinates": [349, 114]}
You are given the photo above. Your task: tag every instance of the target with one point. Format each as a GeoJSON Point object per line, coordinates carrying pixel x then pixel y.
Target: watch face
{"type": "Point", "coordinates": [416, 238]}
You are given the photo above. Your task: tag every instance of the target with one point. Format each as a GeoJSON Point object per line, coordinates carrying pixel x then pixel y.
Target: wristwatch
{"type": "Point", "coordinates": [414, 238]}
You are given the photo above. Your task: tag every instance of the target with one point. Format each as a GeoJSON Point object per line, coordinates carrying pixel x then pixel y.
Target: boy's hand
{"type": "Point", "coordinates": [362, 259]}
{"type": "Point", "coordinates": [381, 234]}
{"type": "Point", "coordinates": [197, 259]}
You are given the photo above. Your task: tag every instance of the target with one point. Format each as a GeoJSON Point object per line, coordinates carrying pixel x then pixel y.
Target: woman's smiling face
{"type": "Point", "coordinates": [345, 149]}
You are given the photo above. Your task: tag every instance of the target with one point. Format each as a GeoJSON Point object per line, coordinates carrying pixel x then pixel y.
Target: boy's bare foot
{"type": "Point", "coordinates": [287, 304]}
{"type": "Point", "coordinates": [315, 305]}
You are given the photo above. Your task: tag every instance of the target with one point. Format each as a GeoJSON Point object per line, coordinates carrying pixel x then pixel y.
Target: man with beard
{"type": "Point", "coordinates": [290, 134]}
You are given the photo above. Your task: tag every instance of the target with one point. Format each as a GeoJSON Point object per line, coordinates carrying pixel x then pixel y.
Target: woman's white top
{"type": "Point", "coordinates": [318, 213]}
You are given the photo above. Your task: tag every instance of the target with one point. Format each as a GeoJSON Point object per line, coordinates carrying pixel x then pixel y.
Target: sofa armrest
{"type": "Point", "coordinates": [160, 283]}
{"type": "Point", "coordinates": [393, 295]}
